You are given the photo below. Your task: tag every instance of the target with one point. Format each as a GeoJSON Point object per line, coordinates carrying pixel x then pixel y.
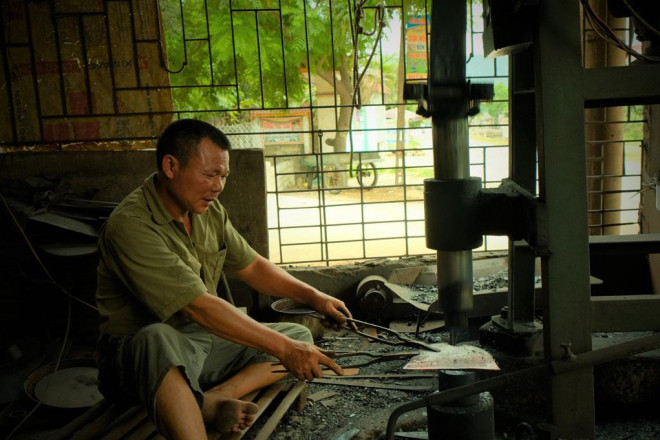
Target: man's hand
{"type": "Point", "coordinates": [304, 361]}
{"type": "Point", "coordinates": [332, 308]}
{"type": "Point", "coordinates": [270, 279]}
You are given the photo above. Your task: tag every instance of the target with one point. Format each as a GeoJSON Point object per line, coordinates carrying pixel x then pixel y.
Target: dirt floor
{"type": "Point", "coordinates": [343, 412]}
{"type": "Point", "coordinates": [336, 412]}
{"type": "Point", "coordinates": [357, 412]}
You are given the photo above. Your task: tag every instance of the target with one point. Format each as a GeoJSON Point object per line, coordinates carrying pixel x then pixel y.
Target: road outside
{"type": "Point", "coordinates": [387, 220]}
{"type": "Point", "coordinates": [369, 223]}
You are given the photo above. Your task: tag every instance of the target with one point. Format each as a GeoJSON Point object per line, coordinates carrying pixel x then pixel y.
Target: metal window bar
{"type": "Point", "coordinates": [404, 197]}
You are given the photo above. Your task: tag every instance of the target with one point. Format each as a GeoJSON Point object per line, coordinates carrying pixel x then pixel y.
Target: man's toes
{"type": "Point", "coordinates": [235, 415]}
{"type": "Point", "coordinates": [251, 408]}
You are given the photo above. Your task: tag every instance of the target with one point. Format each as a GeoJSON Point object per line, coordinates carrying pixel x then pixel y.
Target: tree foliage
{"type": "Point", "coordinates": [255, 57]}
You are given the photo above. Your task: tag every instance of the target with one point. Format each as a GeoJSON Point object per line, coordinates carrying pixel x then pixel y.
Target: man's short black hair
{"type": "Point", "coordinates": [182, 138]}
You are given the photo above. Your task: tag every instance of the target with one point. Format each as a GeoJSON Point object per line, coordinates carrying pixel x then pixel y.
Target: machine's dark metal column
{"type": "Point", "coordinates": [516, 330]}
{"type": "Point", "coordinates": [450, 145]}
{"type": "Point", "coordinates": [522, 167]}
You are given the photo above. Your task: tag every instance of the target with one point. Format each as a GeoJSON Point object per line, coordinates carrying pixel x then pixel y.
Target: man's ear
{"type": "Point", "coordinates": [170, 165]}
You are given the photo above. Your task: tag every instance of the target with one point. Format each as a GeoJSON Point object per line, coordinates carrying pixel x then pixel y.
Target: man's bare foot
{"type": "Point", "coordinates": [226, 414]}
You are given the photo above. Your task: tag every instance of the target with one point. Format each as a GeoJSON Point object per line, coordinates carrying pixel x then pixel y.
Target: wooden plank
{"type": "Point", "coordinates": [323, 394]}
{"type": "Point", "coordinates": [79, 422]}
{"type": "Point", "coordinates": [143, 432]}
{"type": "Point", "coordinates": [91, 430]}
{"type": "Point", "coordinates": [301, 400]}
{"type": "Point", "coordinates": [347, 372]}
{"type": "Point", "coordinates": [289, 399]}
{"type": "Point", "coordinates": [613, 86]}
{"type": "Point", "coordinates": [124, 424]}
{"type": "Point", "coordinates": [625, 313]}
{"type": "Point", "coordinates": [624, 244]}
{"type": "Point", "coordinates": [250, 397]}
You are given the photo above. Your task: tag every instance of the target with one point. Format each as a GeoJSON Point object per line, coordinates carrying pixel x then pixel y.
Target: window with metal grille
{"type": "Point", "coordinates": [317, 84]}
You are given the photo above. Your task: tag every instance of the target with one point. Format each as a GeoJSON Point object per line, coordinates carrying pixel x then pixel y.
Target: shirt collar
{"type": "Point", "coordinates": [160, 215]}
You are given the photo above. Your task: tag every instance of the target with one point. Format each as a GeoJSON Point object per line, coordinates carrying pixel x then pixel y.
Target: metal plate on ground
{"type": "Point", "coordinates": [73, 385]}
{"type": "Point", "coordinates": [453, 357]}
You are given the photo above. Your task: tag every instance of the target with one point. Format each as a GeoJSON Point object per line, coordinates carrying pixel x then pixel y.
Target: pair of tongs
{"type": "Point", "coordinates": [402, 340]}
{"type": "Point", "coordinates": [290, 307]}
{"type": "Point", "coordinates": [375, 357]}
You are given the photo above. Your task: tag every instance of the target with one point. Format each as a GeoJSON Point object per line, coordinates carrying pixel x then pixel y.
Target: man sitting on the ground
{"type": "Point", "coordinates": [168, 341]}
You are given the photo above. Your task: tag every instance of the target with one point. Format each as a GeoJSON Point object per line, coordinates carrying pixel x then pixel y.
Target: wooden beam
{"type": "Point", "coordinates": [81, 421]}
{"type": "Point", "coordinates": [289, 399]}
{"type": "Point", "coordinates": [636, 244]}
{"type": "Point", "coordinates": [634, 84]}
{"type": "Point", "coordinates": [625, 313]}
{"type": "Point", "coordinates": [92, 429]}
{"type": "Point", "coordinates": [125, 423]}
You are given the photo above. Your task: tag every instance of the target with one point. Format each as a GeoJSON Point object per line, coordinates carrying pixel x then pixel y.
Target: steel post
{"type": "Point", "coordinates": [562, 190]}
{"type": "Point", "coordinates": [450, 147]}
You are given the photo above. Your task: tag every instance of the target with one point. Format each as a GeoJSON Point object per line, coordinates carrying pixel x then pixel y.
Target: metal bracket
{"type": "Point", "coordinates": [568, 353]}
{"type": "Point", "coordinates": [458, 100]}
{"type": "Point", "coordinates": [508, 210]}
{"type": "Point", "coordinates": [459, 212]}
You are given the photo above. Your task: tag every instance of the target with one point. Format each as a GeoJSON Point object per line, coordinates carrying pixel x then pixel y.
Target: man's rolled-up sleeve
{"type": "Point", "coordinates": [143, 262]}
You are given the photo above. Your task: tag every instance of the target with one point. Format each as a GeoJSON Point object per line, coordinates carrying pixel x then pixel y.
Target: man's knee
{"type": "Point", "coordinates": [298, 332]}
{"type": "Point", "coordinates": [155, 351]}
{"type": "Point", "coordinates": [153, 335]}
{"type": "Point", "coordinates": [156, 347]}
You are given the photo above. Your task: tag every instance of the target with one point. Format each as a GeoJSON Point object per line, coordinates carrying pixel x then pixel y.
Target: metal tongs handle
{"type": "Point", "coordinates": [402, 339]}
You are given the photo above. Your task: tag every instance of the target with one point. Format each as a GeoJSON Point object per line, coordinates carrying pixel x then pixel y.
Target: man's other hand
{"type": "Point", "coordinates": [304, 361]}
{"type": "Point", "coordinates": [332, 308]}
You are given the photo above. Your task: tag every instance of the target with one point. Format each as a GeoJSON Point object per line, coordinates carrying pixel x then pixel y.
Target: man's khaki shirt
{"type": "Point", "coordinates": [150, 267]}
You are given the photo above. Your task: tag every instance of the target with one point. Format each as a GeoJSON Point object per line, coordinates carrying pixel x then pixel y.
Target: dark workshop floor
{"type": "Point", "coordinates": [335, 411]}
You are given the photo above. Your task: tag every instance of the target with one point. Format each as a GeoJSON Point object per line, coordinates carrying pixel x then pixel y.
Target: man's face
{"type": "Point", "coordinates": [196, 185]}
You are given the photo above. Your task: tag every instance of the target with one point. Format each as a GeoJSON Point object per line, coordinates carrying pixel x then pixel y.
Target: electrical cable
{"type": "Point", "coordinates": [639, 17]}
{"type": "Point", "coordinates": [36, 256]}
{"type": "Point", "coordinates": [601, 28]}
{"type": "Point", "coordinates": [471, 55]}
{"type": "Point", "coordinates": [379, 24]}
{"type": "Point", "coordinates": [52, 376]}
{"type": "Point", "coordinates": [68, 323]}
{"type": "Point", "coordinates": [161, 50]}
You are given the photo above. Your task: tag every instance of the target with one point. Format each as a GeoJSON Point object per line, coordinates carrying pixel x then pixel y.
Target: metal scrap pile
{"type": "Point", "coordinates": [428, 293]}
{"type": "Point", "coordinates": [356, 405]}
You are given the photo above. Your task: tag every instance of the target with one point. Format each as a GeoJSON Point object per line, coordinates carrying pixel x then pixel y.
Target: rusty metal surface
{"type": "Point", "coordinates": [453, 357]}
